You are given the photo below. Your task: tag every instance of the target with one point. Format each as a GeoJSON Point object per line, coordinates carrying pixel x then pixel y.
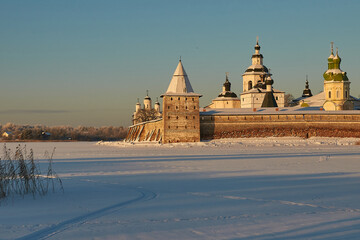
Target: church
{"type": "Point", "coordinates": [258, 111]}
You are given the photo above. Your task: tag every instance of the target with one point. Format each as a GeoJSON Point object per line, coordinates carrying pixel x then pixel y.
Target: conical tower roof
{"type": "Point", "coordinates": [269, 100]}
{"type": "Point", "coordinates": [180, 84]}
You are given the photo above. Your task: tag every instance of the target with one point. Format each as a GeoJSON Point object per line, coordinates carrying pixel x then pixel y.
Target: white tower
{"type": "Point", "coordinates": [147, 101]}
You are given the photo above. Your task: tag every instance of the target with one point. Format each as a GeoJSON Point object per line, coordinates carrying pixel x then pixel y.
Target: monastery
{"type": "Point", "coordinates": [258, 111]}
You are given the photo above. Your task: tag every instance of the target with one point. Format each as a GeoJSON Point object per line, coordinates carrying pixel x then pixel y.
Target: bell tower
{"type": "Point", "coordinates": [336, 85]}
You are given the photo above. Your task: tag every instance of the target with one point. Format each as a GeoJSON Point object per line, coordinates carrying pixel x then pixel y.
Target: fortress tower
{"type": "Point", "coordinates": [181, 117]}
{"type": "Point", "coordinates": [336, 85]}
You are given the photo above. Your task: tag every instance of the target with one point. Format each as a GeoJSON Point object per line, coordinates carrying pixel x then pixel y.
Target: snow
{"type": "Point", "coordinates": [257, 188]}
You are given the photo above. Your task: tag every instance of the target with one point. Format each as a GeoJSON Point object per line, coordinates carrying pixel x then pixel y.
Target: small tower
{"type": "Point", "coordinates": [307, 91]}
{"type": "Point", "coordinates": [269, 99]}
{"type": "Point", "coordinates": [181, 116]}
{"type": "Point", "coordinates": [137, 109]}
{"type": "Point", "coordinates": [147, 101]}
{"type": "Point", "coordinates": [157, 105]}
{"type": "Point", "coordinates": [336, 85]}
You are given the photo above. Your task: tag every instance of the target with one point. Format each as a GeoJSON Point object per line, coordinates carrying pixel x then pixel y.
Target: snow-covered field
{"type": "Point", "coordinates": [273, 188]}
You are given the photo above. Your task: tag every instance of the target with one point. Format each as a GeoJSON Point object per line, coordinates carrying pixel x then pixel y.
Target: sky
{"type": "Point", "coordinates": [86, 62]}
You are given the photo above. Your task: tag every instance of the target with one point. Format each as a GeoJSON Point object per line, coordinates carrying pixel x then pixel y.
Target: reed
{"type": "Point", "coordinates": [21, 175]}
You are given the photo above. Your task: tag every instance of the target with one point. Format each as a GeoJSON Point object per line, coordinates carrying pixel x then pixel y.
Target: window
{"type": "Point", "coordinates": [168, 107]}
{"type": "Point", "coordinates": [178, 98]}
{"type": "Point", "coordinates": [346, 96]}
{"type": "Point", "coordinates": [177, 107]}
{"type": "Point", "coordinates": [193, 99]}
{"type": "Point", "coordinates": [168, 117]}
{"type": "Point", "coordinates": [277, 98]}
{"type": "Point", "coordinates": [194, 107]}
{"type": "Point", "coordinates": [177, 117]}
{"type": "Point", "coordinates": [337, 94]}
{"type": "Point", "coordinates": [171, 99]}
{"type": "Point", "coordinates": [194, 117]}
{"type": "Point", "coordinates": [186, 117]}
{"type": "Point", "coordinates": [249, 85]}
{"type": "Point", "coordinates": [329, 94]}
{"type": "Point", "coordinates": [186, 107]}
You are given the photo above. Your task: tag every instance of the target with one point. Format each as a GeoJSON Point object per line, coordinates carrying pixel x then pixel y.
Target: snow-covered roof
{"type": "Point", "coordinates": [180, 84]}
{"type": "Point", "coordinates": [314, 101]}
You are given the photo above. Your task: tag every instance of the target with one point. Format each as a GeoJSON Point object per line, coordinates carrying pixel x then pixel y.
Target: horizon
{"type": "Point", "coordinates": [86, 62]}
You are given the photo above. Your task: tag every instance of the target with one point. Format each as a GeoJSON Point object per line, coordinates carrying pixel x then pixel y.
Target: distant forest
{"type": "Point", "coordinates": [12, 131]}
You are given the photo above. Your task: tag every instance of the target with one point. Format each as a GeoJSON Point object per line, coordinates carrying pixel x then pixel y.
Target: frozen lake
{"type": "Point", "coordinates": [275, 188]}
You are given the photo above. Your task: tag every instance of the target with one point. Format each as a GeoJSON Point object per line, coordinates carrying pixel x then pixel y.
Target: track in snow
{"type": "Point", "coordinates": [48, 232]}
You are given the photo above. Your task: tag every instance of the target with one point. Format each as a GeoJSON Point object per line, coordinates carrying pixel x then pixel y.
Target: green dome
{"type": "Point", "coordinates": [330, 58]}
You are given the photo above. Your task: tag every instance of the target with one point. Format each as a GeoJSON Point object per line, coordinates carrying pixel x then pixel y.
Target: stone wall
{"type": "Point", "coordinates": [146, 131]}
{"type": "Point", "coordinates": [181, 119]}
{"type": "Point", "coordinates": [261, 125]}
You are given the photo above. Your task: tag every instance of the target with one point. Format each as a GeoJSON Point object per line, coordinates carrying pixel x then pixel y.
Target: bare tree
{"type": "Point", "coordinates": [144, 115]}
{"type": "Point", "coordinates": [288, 100]}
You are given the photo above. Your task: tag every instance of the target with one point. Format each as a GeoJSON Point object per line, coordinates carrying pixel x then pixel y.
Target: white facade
{"type": "Point", "coordinates": [254, 83]}
{"type": "Point", "coordinates": [255, 97]}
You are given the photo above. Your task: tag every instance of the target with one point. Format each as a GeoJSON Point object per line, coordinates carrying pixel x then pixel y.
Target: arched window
{"type": "Point", "coordinates": [346, 94]}
{"type": "Point", "coordinates": [337, 94]}
{"type": "Point", "coordinates": [329, 94]}
{"type": "Point", "coordinates": [249, 85]}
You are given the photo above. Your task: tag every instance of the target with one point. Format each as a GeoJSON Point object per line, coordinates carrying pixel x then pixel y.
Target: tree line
{"type": "Point", "coordinates": [11, 131]}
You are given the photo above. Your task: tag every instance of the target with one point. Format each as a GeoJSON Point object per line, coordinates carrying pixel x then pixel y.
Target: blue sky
{"type": "Point", "coordinates": [85, 62]}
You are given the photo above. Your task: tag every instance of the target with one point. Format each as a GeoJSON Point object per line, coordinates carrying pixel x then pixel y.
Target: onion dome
{"type": "Point", "coordinates": [147, 95]}
{"type": "Point", "coordinates": [227, 89]}
{"type": "Point", "coordinates": [227, 84]}
{"type": "Point", "coordinates": [269, 80]}
{"type": "Point", "coordinates": [337, 60]}
{"type": "Point", "coordinates": [257, 46]}
{"type": "Point", "coordinates": [157, 101]}
{"type": "Point", "coordinates": [334, 73]}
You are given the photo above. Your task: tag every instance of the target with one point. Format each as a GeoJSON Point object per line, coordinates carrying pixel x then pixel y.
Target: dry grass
{"type": "Point", "coordinates": [20, 175]}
